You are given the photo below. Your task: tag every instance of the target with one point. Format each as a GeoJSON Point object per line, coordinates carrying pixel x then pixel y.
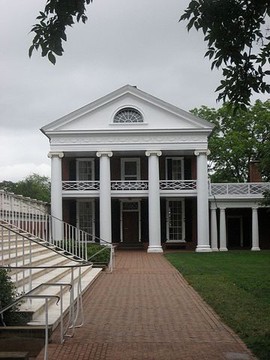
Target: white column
{"type": "Point", "coordinates": [222, 229]}
{"type": "Point", "coordinates": [56, 195]}
{"type": "Point", "coordinates": [202, 202]}
{"type": "Point", "coordinates": [154, 202]}
{"type": "Point", "coordinates": [105, 212]}
{"type": "Point", "coordinates": [255, 230]}
{"type": "Point", "coordinates": [214, 237]}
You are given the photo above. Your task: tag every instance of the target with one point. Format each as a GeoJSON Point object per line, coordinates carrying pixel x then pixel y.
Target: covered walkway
{"type": "Point", "coordinates": [145, 310]}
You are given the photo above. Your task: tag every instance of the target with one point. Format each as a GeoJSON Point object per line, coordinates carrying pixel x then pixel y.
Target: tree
{"type": "Point", "coordinates": [33, 186]}
{"type": "Point", "coordinates": [50, 31]}
{"type": "Point", "coordinates": [238, 139]}
{"type": "Point", "coordinates": [238, 41]}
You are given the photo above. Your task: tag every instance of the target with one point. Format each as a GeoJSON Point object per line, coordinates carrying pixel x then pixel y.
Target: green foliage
{"type": "Point", "coordinates": [238, 41]}
{"type": "Point", "coordinates": [235, 284]}
{"type": "Point", "coordinates": [237, 139]}
{"type": "Point", "coordinates": [7, 296]}
{"type": "Point", "coordinates": [102, 257]}
{"type": "Point", "coordinates": [50, 31]}
{"type": "Point", "coordinates": [34, 186]}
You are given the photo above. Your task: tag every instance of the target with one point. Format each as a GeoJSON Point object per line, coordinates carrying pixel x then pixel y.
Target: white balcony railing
{"type": "Point", "coordinates": [215, 189]}
{"type": "Point", "coordinates": [80, 185]}
{"type": "Point", "coordinates": [178, 185]}
{"type": "Point", "coordinates": [129, 185]}
{"type": "Point", "coordinates": [240, 189]}
{"type": "Point", "coordinates": [139, 185]}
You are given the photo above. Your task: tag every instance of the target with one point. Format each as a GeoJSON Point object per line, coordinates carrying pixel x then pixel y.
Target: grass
{"type": "Point", "coordinates": [236, 284]}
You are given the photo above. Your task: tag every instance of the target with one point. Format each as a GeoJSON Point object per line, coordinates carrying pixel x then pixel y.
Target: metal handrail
{"type": "Point", "coordinates": [46, 297]}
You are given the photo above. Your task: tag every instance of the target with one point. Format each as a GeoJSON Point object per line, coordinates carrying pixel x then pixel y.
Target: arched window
{"type": "Point", "coordinates": [128, 115]}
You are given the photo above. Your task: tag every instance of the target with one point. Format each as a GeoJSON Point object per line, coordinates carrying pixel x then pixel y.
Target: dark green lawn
{"type": "Point", "coordinates": [237, 285]}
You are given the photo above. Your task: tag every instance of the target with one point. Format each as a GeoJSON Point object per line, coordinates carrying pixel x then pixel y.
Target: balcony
{"type": "Point", "coordinates": [238, 190]}
{"type": "Point", "coordinates": [167, 188]}
{"type": "Point", "coordinates": [128, 188]}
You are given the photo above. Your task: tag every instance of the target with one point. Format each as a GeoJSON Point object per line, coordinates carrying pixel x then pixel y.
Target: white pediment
{"type": "Point", "coordinates": [99, 115]}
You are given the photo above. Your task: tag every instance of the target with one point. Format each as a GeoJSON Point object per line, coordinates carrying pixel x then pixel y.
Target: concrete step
{"type": "Point", "coordinates": [88, 277]}
{"type": "Point", "coordinates": [51, 267]}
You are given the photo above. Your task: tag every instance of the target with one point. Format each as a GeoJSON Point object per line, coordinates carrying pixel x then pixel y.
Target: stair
{"type": "Point", "coordinates": [51, 266]}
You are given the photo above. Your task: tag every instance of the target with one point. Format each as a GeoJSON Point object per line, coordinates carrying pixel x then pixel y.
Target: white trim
{"type": "Point", "coordinates": [182, 201]}
{"type": "Point", "coordinates": [139, 216]}
{"type": "Point", "coordinates": [138, 168]}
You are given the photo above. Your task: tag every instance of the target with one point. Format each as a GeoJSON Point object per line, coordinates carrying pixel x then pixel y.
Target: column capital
{"type": "Point", "coordinates": [222, 207]}
{"type": "Point", "coordinates": [213, 205]}
{"type": "Point", "coordinates": [52, 154]}
{"type": "Point", "coordinates": [104, 153]}
{"type": "Point", "coordinates": [202, 152]}
{"type": "Point", "coordinates": [153, 152]}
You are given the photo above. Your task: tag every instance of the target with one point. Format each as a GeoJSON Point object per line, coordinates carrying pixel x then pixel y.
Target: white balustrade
{"type": "Point", "coordinates": [232, 189]}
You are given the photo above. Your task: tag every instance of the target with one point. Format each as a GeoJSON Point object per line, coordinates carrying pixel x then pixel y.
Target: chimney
{"type": "Point", "coordinates": [254, 171]}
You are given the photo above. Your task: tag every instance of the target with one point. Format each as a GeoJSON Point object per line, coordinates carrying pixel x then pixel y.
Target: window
{"type": "Point", "coordinates": [85, 169]}
{"type": "Point", "coordinates": [85, 218]}
{"type": "Point", "coordinates": [175, 168]}
{"type": "Point", "coordinates": [175, 220]}
{"type": "Point", "coordinates": [130, 169]}
{"type": "Point", "coordinates": [128, 115]}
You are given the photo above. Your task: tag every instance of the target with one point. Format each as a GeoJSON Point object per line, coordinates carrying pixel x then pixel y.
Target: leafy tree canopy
{"type": "Point", "coordinates": [33, 186]}
{"type": "Point", "coordinates": [238, 139]}
{"type": "Point", "coordinates": [50, 31]}
{"type": "Point", "coordinates": [237, 35]}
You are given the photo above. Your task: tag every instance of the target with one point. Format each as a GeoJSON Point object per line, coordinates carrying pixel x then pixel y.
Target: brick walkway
{"type": "Point", "coordinates": [145, 310]}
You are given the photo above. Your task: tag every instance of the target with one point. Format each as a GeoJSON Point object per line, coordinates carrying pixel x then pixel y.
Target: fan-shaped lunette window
{"type": "Point", "coordinates": [128, 115]}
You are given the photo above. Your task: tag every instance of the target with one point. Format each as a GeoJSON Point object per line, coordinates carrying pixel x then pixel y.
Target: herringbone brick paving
{"type": "Point", "coordinates": [145, 310]}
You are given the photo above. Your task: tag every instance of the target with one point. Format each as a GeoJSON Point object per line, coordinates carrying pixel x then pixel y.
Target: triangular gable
{"type": "Point", "coordinates": [98, 115]}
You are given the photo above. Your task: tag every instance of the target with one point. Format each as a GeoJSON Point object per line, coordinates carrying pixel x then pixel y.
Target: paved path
{"type": "Point", "coordinates": [145, 310]}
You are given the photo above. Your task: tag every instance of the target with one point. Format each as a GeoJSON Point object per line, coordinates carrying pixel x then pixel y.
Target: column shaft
{"type": "Point", "coordinates": [105, 196]}
{"type": "Point", "coordinates": [255, 230]}
{"type": "Point", "coordinates": [223, 233]}
{"type": "Point", "coordinates": [214, 237]}
{"type": "Point", "coordinates": [202, 203]}
{"type": "Point", "coordinates": [56, 195]}
{"type": "Point", "coordinates": [154, 202]}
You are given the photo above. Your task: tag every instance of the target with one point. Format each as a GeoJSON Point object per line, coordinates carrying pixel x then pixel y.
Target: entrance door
{"type": "Point", "coordinates": [130, 226]}
{"type": "Point", "coordinates": [130, 223]}
{"type": "Point", "coordinates": [235, 231]}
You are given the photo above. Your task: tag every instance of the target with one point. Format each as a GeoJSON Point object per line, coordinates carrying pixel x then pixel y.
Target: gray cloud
{"type": "Point", "coordinates": [136, 42]}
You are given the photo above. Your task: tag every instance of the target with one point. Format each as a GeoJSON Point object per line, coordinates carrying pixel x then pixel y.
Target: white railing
{"type": "Point", "coordinates": [125, 185]}
{"type": "Point", "coordinates": [241, 189]}
{"type": "Point", "coordinates": [22, 215]}
{"type": "Point", "coordinates": [129, 185]}
{"type": "Point", "coordinates": [80, 185]}
{"type": "Point", "coordinates": [178, 185]}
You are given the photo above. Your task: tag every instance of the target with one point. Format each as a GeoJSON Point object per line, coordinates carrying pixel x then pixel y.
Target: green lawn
{"type": "Point", "coordinates": [236, 284]}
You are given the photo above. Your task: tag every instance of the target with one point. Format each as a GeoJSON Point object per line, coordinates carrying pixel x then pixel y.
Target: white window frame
{"type": "Point", "coordinates": [138, 172]}
{"type": "Point", "coordinates": [182, 201]}
{"type": "Point", "coordinates": [80, 160]}
{"type": "Point", "coordinates": [182, 167]}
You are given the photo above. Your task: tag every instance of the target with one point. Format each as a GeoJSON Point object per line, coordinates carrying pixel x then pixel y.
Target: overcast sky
{"type": "Point", "coordinates": [124, 42]}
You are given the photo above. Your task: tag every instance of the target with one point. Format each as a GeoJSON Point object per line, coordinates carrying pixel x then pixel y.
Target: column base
{"type": "Point", "coordinates": [215, 249]}
{"type": "Point", "coordinates": [203, 248]}
{"type": "Point", "coordinates": [154, 249]}
{"type": "Point", "coordinates": [223, 249]}
{"type": "Point", "coordinates": [255, 248]}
